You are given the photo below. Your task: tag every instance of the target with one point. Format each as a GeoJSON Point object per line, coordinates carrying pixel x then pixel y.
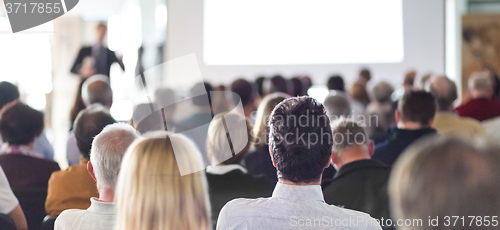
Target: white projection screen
{"type": "Point", "coordinates": [249, 38]}
{"type": "Point", "coordinates": [238, 32]}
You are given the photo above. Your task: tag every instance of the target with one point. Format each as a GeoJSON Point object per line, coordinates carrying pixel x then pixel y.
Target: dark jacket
{"type": "Point", "coordinates": [259, 162]}
{"type": "Point", "coordinates": [360, 185]}
{"type": "Point", "coordinates": [235, 184]}
{"type": "Point", "coordinates": [27, 172]}
{"type": "Point", "coordinates": [398, 140]}
{"type": "Point", "coordinates": [87, 52]}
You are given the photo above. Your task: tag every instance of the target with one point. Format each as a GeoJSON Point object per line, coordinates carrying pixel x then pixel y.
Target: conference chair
{"type": "Point", "coordinates": [48, 222]}
{"type": "Point", "coordinates": [6, 223]}
{"type": "Point", "coordinates": [32, 201]}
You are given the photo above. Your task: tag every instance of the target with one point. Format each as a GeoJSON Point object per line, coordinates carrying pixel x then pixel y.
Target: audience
{"type": "Point", "coordinates": [329, 162]}
{"type": "Point", "coordinates": [108, 148]}
{"type": "Point", "coordinates": [380, 111]}
{"type": "Point", "coordinates": [446, 122]}
{"type": "Point", "coordinates": [258, 161]}
{"type": "Point", "coordinates": [360, 183]}
{"type": "Point", "coordinates": [299, 164]}
{"type": "Point", "coordinates": [246, 91]}
{"type": "Point", "coordinates": [441, 180]}
{"type": "Point", "coordinates": [414, 117]}
{"type": "Point", "coordinates": [73, 187]}
{"type": "Point", "coordinates": [483, 105]}
{"type": "Point", "coordinates": [9, 96]}
{"type": "Point", "coordinates": [227, 179]}
{"type": "Point", "coordinates": [23, 166]}
{"type": "Point", "coordinates": [152, 194]}
{"type": "Point", "coordinates": [9, 204]}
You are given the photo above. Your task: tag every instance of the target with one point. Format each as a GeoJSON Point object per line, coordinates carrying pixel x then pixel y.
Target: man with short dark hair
{"type": "Point", "coordinates": [72, 188]}
{"type": "Point", "coordinates": [447, 183]}
{"type": "Point", "coordinates": [360, 183]}
{"type": "Point", "coordinates": [300, 143]}
{"type": "Point", "coordinates": [414, 116]}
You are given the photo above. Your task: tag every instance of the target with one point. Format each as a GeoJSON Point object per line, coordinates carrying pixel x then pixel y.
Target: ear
{"type": "Point", "coordinates": [371, 148]}
{"type": "Point", "coordinates": [90, 168]}
{"type": "Point", "coordinates": [334, 160]}
{"type": "Point", "coordinates": [272, 159]}
{"type": "Point", "coordinates": [430, 122]}
{"type": "Point", "coordinates": [397, 116]}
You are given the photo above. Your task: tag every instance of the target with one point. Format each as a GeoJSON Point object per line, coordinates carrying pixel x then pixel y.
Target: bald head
{"type": "Point", "coordinates": [480, 85]}
{"type": "Point", "coordinates": [445, 92]}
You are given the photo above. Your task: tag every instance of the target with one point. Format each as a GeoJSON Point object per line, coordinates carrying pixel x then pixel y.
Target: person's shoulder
{"type": "Point", "coordinates": [69, 216]}
{"type": "Point", "coordinates": [358, 218]}
{"type": "Point", "coordinates": [243, 206]}
{"type": "Point", "coordinates": [69, 172]}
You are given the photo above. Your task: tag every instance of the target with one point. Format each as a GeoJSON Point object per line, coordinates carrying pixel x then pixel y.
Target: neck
{"type": "Point", "coordinates": [106, 195]}
{"type": "Point", "coordinates": [352, 154]}
{"type": "Point", "coordinates": [285, 181]}
{"type": "Point", "coordinates": [410, 125]}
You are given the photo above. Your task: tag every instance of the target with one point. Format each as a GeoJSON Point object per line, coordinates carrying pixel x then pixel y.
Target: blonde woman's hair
{"type": "Point", "coordinates": [151, 193]}
{"type": "Point", "coordinates": [261, 127]}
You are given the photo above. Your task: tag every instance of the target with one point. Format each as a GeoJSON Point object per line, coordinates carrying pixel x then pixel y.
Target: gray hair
{"type": "Point", "coordinates": [480, 81]}
{"type": "Point", "coordinates": [382, 92]}
{"type": "Point", "coordinates": [337, 106]}
{"type": "Point", "coordinates": [346, 134]}
{"type": "Point", "coordinates": [443, 176]}
{"type": "Point", "coordinates": [96, 89]}
{"type": "Point", "coordinates": [445, 92]}
{"type": "Point", "coordinates": [107, 152]}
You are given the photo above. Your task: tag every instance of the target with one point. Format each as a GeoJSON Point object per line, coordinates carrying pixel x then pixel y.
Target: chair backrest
{"type": "Point", "coordinates": [48, 222]}
{"type": "Point", "coordinates": [32, 201]}
{"type": "Point", "coordinates": [6, 223]}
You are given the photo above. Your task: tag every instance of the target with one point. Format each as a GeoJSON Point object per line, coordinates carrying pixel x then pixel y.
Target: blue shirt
{"type": "Point", "coordinates": [291, 207]}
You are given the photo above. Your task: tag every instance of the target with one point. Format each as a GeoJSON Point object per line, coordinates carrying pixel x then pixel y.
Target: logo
{"type": "Point", "coordinates": [27, 14]}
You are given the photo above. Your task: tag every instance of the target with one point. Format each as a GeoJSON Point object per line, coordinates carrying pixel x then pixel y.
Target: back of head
{"type": "Point", "coordinates": [409, 78]}
{"type": "Point", "coordinates": [441, 177]}
{"type": "Point", "coordinates": [480, 85]}
{"type": "Point", "coordinates": [300, 139]}
{"type": "Point", "coordinates": [445, 92]}
{"type": "Point", "coordinates": [245, 90]}
{"type": "Point", "coordinates": [382, 92]}
{"type": "Point", "coordinates": [278, 84]}
{"type": "Point", "coordinates": [336, 82]}
{"type": "Point", "coordinates": [417, 106]}
{"type": "Point", "coordinates": [197, 90]}
{"type": "Point", "coordinates": [21, 124]}
{"type": "Point", "coordinates": [337, 106]}
{"type": "Point", "coordinates": [8, 93]}
{"type": "Point", "coordinates": [96, 89]}
{"type": "Point", "coordinates": [259, 83]}
{"type": "Point", "coordinates": [347, 134]}
{"type": "Point", "coordinates": [358, 92]}
{"type": "Point", "coordinates": [164, 97]}
{"type": "Point", "coordinates": [88, 124]}
{"type": "Point", "coordinates": [108, 148]}
{"type": "Point", "coordinates": [261, 128]}
{"type": "Point", "coordinates": [365, 74]}
{"type": "Point", "coordinates": [152, 194]}
{"type": "Point", "coordinates": [298, 86]}
{"type": "Point", "coordinates": [217, 139]}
